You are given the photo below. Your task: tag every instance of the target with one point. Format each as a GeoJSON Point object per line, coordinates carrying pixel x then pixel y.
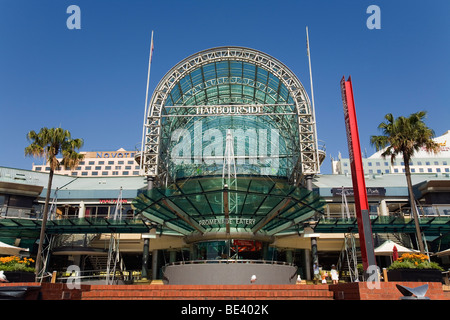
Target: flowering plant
{"type": "Point", "coordinates": [414, 261]}
{"type": "Point", "coordinates": [13, 263]}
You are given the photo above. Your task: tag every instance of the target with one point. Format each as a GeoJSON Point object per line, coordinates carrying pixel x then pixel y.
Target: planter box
{"type": "Point", "coordinates": [415, 275]}
{"type": "Point", "coordinates": [20, 276]}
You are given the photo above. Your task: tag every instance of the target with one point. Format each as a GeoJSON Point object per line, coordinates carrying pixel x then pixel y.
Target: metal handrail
{"type": "Point", "coordinates": [227, 261]}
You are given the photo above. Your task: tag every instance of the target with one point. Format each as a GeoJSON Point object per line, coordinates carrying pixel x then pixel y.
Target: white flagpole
{"type": "Point", "coordinates": [313, 112]}
{"type": "Point", "coordinates": [146, 101]}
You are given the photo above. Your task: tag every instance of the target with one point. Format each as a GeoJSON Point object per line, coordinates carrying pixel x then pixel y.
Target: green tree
{"type": "Point", "coordinates": [403, 136]}
{"type": "Point", "coordinates": [52, 144]}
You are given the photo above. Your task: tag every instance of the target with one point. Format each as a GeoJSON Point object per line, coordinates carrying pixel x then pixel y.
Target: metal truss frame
{"type": "Point", "coordinates": [308, 160]}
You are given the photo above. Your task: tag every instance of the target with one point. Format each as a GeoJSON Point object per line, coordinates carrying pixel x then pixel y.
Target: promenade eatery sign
{"type": "Point", "coordinates": [229, 139]}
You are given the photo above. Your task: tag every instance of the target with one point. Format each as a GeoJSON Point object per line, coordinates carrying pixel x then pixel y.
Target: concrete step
{"type": "Point", "coordinates": [208, 292]}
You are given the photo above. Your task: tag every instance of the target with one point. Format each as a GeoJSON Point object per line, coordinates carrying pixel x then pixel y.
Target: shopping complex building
{"type": "Point", "coordinates": [229, 186]}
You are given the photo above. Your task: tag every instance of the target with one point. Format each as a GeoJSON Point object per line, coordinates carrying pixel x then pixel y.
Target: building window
{"type": "Point", "coordinates": [115, 173]}
{"type": "Point", "coordinates": [427, 163]}
{"type": "Point", "coordinates": [421, 170]}
{"type": "Point", "coordinates": [91, 162]}
{"type": "Point", "coordinates": [130, 162]}
{"type": "Point", "coordinates": [120, 162]}
{"type": "Point", "coordinates": [444, 163]}
{"type": "Point", "coordinates": [396, 170]}
{"type": "Point", "coordinates": [413, 170]}
{"type": "Point", "coordinates": [430, 170]}
{"type": "Point", "coordinates": [377, 164]}
{"type": "Point", "coordinates": [38, 168]}
{"type": "Point", "coordinates": [78, 168]}
{"type": "Point", "coordinates": [108, 168]}
{"type": "Point", "coordinates": [135, 173]}
{"type": "Point", "coordinates": [98, 168]}
{"type": "Point", "coordinates": [438, 169]}
{"type": "Point", "coordinates": [436, 163]}
{"type": "Point", "coordinates": [136, 167]}
{"type": "Point", "coordinates": [110, 162]}
{"type": "Point", "coordinates": [74, 173]}
{"type": "Point", "coordinates": [370, 171]}
{"type": "Point", "coordinates": [419, 163]}
{"type": "Point", "coordinates": [81, 163]}
{"type": "Point", "coordinates": [386, 164]}
{"type": "Point", "coordinates": [386, 171]}
{"type": "Point", "coordinates": [101, 162]}
{"type": "Point", "coordinates": [84, 173]}
{"type": "Point", "coordinates": [87, 168]}
{"type": "Point", "coordinates": [370, 164]}
{"type": "Point", "coordinates": [447, 170]}
{"type": "Point", "coordinates": [378, 171]}
{"type": "Point", "coordinates": [104, 173]}
{"type": "Point", "coordinates": [47, 168]}
{"type": "Point", "coordinates": [118, 167]}
{"type": "Point", "coordinates": [127, 167]}
{"type": "Point", "coordinates": [125, 173]}
{"type": "Point", "coordinates": [94, 173]}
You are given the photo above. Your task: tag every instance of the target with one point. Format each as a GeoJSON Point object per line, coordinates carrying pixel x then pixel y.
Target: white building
{"type": "Point", "coordinates": [100, 163]}
{"type": "Point", "coordinates": [422, 162]}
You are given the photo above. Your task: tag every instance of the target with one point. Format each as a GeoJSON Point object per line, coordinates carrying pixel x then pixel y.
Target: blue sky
{"type": "Point", "coordinates": [92, 81]}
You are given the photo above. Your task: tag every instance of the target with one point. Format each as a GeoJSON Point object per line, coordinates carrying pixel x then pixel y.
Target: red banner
{"type": "Point", "coordinates": [359, 183]}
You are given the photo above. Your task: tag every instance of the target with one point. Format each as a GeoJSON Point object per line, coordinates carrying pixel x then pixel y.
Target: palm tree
{"type": "Point", "coordinates": [404, 136]}
{"type": "Point", "coordinates": [49, 143]}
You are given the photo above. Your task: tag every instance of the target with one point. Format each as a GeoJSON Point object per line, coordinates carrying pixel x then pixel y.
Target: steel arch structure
{"type": "Point", "coordinates": [307, 162]}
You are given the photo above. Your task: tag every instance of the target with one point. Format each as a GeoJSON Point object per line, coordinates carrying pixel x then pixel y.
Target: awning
{"type": "Point", "coordinates": [252, 205]}
{"type": "Point", "coordinates": [431, 226]}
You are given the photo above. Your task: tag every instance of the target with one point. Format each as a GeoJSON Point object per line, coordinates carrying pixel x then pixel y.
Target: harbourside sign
{"type": "Point", "coordinates": [228, 109]}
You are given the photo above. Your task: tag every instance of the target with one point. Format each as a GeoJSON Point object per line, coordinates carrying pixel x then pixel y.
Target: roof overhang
{"type": "Point", "coordinates": [202, 207]}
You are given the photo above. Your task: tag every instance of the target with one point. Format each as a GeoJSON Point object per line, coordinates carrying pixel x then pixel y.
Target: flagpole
{"type": "Point", "coordinates": [313, 112]}
{"type": "Point", "coordinates": [146, 101]}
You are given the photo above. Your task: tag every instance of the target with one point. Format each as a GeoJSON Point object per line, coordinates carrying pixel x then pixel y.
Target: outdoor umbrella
{"type": "Point", "coordinates": [443, 253]}
{"type": "Point", "coordinates": [387, 249]}
{"type": "Point", "coordinates": [6, 249]}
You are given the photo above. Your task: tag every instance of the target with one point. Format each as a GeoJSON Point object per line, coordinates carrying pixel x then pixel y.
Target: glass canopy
{"type": "Point", "coordinates": [203, 205]}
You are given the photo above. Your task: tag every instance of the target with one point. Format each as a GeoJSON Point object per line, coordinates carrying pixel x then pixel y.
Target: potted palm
{"type": "Point", "coordinates": [16, 269]}
{"type": "Point", "coordinates": [414, 267]}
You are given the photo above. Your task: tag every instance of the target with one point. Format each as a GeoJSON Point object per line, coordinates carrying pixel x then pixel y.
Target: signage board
{"type": "Point", "coordinates": [371, 192]}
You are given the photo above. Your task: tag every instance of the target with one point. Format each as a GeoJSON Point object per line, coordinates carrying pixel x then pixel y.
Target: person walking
{"type": "Point", "coordinates": [334, 274]}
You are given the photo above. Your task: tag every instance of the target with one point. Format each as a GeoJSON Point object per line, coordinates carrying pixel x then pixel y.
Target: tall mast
{"type": "Point", "coordinates": [313, 112]}
{"type": "Point", "coordinates": [146, 105]}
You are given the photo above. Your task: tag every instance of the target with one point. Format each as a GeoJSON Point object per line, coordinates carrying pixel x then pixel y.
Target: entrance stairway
{"type": "Point", "coordinates": [208, 292]}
